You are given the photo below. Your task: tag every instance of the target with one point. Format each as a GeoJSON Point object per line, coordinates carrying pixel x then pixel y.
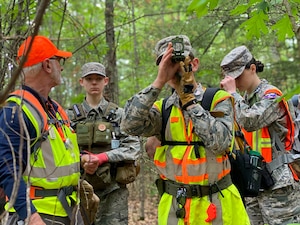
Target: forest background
{"type": "Point", "coordinates": [122, 35]}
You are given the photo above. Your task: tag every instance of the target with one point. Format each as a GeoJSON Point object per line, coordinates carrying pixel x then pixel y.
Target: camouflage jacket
{"type": "Point", "coordinates": [141, 118]}
{"type": "Point", "coordinates": [257, 110]}
{"type": "Point", "coordinates": [129, 148]}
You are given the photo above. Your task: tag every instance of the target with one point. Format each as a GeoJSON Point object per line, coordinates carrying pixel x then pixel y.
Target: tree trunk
{"type": "Point", "coordinates": [111, 64]}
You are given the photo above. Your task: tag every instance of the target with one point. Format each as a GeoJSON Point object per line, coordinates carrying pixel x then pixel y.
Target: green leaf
{"type": "Point", "coordinates": [263, 6]}
{"type": "Point", "coordinates": [198, 6]}
{"type": "Point", "coordinates": [252, 2]}
{"type": "Point", "coordinates": [283, 27]}
{"type": "Point", "coordinates": [201, 7]}
{"type": "Point", "coordinates": [239, 10]}
{"type": "Point", "coordinates": [213, 4]}
{"type": "Point", "coordinates": [256, 25]}
{"type": "Point", "coordinates": [290, 94]}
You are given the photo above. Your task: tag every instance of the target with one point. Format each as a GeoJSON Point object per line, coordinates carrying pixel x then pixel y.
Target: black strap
{"type": "Point", "coordinates": [208, 97]}
{"type": "Point", "coordinates": [206, 104]}
{"type": "Point", "coordinates": [111, 106]}
{"type": "Point", "coordinates": [41, 193]}
{"type": "Point", "coordinates": [61, 193]}
{"type": "Point", "coordinates": [62, 197]}
{"type": "Point", "coordinates": [165, 117]}
{"type": "Point", "coordinates": [193, 190]}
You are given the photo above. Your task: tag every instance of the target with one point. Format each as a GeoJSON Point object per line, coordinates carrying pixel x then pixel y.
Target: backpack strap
{"type": "Point", "coordinates": [110, 110]}
{"type": "Point", "coordinates": [78, 111]}
{"type": "Point", "coordinates": [208, 97]}
{"type": "Point", "coordinates": [205, 103]}
{"type": "Point", "coordinates": [165, 116]}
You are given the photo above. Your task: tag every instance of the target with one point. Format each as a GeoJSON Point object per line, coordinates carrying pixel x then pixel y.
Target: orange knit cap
{"type": "Point", "coordinates": [42, 48]}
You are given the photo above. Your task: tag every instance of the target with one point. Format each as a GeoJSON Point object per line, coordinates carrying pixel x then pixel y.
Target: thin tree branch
{"type": "Point", "coordinates": [214, 37]}
{"type": "Point", "coordinates": [36, 25]}
{"type": "Point", "coordinates": [128, 22]}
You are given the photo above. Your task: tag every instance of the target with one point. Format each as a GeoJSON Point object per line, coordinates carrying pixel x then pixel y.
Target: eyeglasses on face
{"type": "Point", "coordinates": [60, 60]}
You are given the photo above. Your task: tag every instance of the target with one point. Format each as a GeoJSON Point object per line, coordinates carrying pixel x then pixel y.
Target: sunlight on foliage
{"type": "Point", "coordinates": [285, 27]}
{"type": "Point", "coordinates": [256, 25]}
{"type": "Point", "coordinates": [261, 14]}
{"type": "Point", "coordinates": [201, 7]}
{"type": "Point", "coordinates": [240, 9]}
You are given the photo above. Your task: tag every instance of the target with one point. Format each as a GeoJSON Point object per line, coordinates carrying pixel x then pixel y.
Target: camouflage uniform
{"type": "Point", "coordinates": [143, 119]}
{"type": "Point", "coordinates": [181, 162]}
{"type": "Point", "coordinates": [113, 207]}
{"type": "Point", "coordinates": [280, 204]}
{"type": "Point", "coordinates": [186, 166]}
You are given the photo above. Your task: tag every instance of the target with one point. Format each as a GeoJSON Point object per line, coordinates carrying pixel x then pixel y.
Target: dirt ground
{"type": "Point", "coordinates": [150, 213]}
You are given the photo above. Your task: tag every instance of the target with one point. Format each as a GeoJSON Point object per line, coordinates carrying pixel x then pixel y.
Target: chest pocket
{"type": "Point", "coordinates": [102, 133]}
{"type": "Point", "coordinates": [94, 132]}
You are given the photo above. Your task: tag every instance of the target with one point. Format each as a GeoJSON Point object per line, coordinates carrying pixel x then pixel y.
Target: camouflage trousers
{"type": "Point", "coordinates": [277, 207]}
{"type": "Point", "coordinates": [113, 208]}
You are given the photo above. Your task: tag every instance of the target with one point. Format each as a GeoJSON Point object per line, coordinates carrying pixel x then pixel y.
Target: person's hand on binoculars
{"type": "Point", "coordinates": [185, 86]}
{"type": "Point", "coordinates": [167, 69]}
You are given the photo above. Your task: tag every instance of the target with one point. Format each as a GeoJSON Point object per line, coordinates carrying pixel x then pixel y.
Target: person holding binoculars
{"type": "Point", "coordinates": [194, 184]}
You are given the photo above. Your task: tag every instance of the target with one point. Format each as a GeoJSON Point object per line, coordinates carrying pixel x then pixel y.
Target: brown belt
{"type": "Point", "coordinates": [172, 187]}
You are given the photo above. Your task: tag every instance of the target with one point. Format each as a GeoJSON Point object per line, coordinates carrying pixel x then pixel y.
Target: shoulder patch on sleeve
{"type": "Point", "coordinates": [270, 96]}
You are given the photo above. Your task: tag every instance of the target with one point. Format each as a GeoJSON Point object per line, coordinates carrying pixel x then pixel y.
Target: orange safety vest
{"type": "Point", "coordinates": [260, 140]}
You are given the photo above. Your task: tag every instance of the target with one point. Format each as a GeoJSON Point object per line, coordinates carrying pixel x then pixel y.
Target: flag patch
{"type": "Point", "coordinates": [270, 96]}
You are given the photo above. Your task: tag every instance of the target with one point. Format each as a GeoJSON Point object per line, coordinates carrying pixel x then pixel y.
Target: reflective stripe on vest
{"type": "Point", "coordinates": [185, 166]}
{"type": "Point", "coordinates": [260, 140]}
{"type": "Point", "coordinates": [54, 164]}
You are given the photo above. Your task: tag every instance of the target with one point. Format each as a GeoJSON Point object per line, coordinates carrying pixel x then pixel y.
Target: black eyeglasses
{"type": "Point", "coordinates": [60, 60]}
{"type": "Point", "coordinates": [181, 199]}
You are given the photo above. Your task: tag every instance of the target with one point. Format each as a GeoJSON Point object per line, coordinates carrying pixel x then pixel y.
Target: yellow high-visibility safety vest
{"type": "Point", "coordinates": [55, 163]}
{"type": "Point", "coordinates": [180, 164]}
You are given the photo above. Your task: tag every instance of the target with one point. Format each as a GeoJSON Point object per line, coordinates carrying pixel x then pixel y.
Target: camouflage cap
{"type": "Point", "coordinates": [161, 46]}
{"type": "Point", "coordinates": [234, 63]}
{"type": "Point", "coordinates": [92, 68]}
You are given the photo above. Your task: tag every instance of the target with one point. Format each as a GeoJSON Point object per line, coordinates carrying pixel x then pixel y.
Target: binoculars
{"type": "Point", "coordinates": [178, 46]}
